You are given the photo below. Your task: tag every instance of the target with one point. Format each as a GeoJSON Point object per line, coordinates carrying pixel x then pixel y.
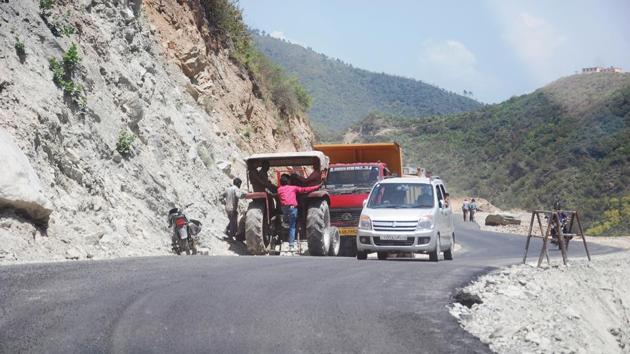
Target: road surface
{"type": "Point", "coordinates": [249, 304]}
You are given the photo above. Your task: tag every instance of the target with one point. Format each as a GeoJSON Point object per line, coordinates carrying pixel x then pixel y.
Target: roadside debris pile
{"type": "Point", "coordinates": [584, 307]}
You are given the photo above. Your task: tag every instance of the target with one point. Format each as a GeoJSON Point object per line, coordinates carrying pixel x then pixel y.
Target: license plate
{"type": "Point", "coordinates": [347, 231]}
{"type": "Point", "coordinates": [394, 237]}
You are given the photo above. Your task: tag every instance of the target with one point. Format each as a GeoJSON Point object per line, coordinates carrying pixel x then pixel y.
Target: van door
{"type": "Point", "coordinates": [441, 218]}
{"type": "Point", "coordinates": [449, 215]}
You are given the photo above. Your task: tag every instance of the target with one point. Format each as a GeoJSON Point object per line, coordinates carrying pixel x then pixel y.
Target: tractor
{"type": "Point", "coordinates": [265, 227]}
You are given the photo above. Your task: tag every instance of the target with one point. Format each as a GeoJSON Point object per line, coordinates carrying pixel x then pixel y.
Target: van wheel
{"type": "Point", "coordinates": [448, 254]}
{"type": "Point", "coordinates": [361, 255]}
{"type": "Point", "coordinates": [335, 241]}
{"type": "Point", "coordinates": [381, 255]}
{"type": "Point", "coordinates": [318, 228]}
{"type": "Point", "coordinates": [434, 255]}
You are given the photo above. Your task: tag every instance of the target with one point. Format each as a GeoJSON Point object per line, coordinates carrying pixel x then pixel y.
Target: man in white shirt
{"type": "Point", "coordinates": [231, 197]}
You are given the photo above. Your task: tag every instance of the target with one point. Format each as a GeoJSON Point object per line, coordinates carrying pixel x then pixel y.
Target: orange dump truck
{"type": "Point", "coordinates": [353, 170]}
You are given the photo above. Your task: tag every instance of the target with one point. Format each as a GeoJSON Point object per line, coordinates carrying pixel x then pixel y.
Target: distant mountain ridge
{"type": "Point", "coordinates": [343, 95]}
{"type": "Point", "coordinates": [569, 139]}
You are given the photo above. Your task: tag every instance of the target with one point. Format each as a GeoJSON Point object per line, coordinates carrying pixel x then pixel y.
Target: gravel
{"type": "Point", "coordinates": [581, 308]}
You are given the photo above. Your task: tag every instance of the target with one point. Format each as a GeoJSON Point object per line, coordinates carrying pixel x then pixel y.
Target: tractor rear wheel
{"type": "Point", "coordinates": [318, 228]}
{"type": "Point", "coordinates": [334, 242]}
{"type": "Point", "coordinates": [255, 228]}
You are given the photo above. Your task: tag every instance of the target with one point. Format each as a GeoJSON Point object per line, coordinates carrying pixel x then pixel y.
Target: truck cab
{"type": "Point", "coordinates": [354, 169]}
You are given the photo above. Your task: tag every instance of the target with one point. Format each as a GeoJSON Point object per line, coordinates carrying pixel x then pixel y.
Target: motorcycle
{"type": "Point", "coordinates": [564, 226]}
{"type": "Point", "coordinates": [185, 232]}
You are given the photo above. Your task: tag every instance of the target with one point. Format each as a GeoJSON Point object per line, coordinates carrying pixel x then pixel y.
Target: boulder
{"type": "Point", "coordinates": [74, 253]}
{"type": "Point", "coordinates": [20, 188]}
{"type": "Point", "coordinates": [501, 220]}
{"type": "Point", "coordinates": [224, 166]}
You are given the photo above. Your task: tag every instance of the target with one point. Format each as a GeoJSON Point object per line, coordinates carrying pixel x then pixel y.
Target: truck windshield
{"type": "Point", "coordinates": [352, 176]}
{"type": "Point", "coordinates": [401, 195]}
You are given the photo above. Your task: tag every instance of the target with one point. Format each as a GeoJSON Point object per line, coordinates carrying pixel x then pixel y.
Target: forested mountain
{"type": "Point", "coordinates": [570, 138]}
{"type": "Point", "coordinates": [343, 94]}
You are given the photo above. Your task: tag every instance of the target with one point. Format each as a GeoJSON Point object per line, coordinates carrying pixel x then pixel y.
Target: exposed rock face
{"type": "Point", "coordinates": [189, 121]}
{"type": "Point", "coordinates": [218, 84]}
{"type": "Point", "coordinates": [20, 188]}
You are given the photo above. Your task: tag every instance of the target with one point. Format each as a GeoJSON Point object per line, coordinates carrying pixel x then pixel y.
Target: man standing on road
{"type": "Point", "coordinates": [465, 208]}
{"type": "Point", "coordinates": [231, 197]}
{"type": "Point", "coordinates": [472, 208]}
{"type": "Point", "coordinates": [288, 201]}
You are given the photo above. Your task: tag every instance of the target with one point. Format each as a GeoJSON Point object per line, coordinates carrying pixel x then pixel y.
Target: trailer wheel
{"type": "Point", "coordinates": [334, 242]}
{"type": "Point", "coordinates": [318, 228]}
{"type": "Point", "coordinates": [348, 246]}
{"type": "Point", "coordinates": [255, 228]}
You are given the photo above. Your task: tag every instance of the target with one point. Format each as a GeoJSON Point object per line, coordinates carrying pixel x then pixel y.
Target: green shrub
{"type": "Point", "coordinates": [125, 143]}
{"type": "Point", "coordinates": [225, 20]}
{"type": "Point", "coordinates": [67, 29]}
{"type": "Point", "coordinates": [46, 4]}
{"type": "Point", "coordinates": [71, 57]}
{"type": "Point", "coordinates": [20, 48]}
{"type": "Point", "coordinates": [59, 74]}
{"type": "Point", "coordinates": [62, 76]}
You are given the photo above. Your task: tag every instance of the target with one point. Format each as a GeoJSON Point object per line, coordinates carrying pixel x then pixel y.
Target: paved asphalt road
{"type": "Point", "coordinates": [249, 304]}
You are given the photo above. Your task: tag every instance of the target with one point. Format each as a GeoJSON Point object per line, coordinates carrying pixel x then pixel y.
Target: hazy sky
{"type": "Point", "coordinates": [494, 48]}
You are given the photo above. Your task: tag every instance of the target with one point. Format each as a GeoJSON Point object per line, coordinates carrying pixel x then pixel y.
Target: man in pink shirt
{"type": "Point", "coordinates": [288, 201]}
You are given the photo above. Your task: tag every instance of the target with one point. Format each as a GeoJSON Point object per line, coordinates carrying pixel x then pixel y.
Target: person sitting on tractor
{"type": "Point", "coordinates": [260, 179]}
{"type": "Point", "coordinates": [289, 204]}
{"type": "Point", "coordinates": [314, 179]}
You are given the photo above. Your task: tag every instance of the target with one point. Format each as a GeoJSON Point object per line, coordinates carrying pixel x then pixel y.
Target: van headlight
{"type": "Point", "coordinates": [365, 223]}
{"type": "Point", "coordinates": [425, 223]}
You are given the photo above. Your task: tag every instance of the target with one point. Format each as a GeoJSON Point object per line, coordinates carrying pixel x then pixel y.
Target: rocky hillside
{"type": "Point", "coordinates": [570, 138]}
{"type": "Point", "coordinates": [111, 113]}
{"type": "Point", "coordinates": [343, 94]}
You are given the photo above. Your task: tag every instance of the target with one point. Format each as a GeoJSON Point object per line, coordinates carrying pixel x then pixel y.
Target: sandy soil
{"type": "Point", "coordinates": [581, 308]}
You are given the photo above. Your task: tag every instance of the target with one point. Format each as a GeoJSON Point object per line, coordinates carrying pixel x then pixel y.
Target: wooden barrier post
{"type": "Point", "coordinates": [554, 218]}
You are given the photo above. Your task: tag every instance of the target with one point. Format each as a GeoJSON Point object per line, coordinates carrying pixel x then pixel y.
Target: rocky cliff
{"type": "Point", "coordinates": [147, 69]}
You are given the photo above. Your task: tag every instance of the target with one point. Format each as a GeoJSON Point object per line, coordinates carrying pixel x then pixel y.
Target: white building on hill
{"type": "Point", "coordinates": [599, 69]}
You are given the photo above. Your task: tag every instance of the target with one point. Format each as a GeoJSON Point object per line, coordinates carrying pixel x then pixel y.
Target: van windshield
{"type": "Point", "coordinates": [352, 176]}
{"type": "Point", "coordinates": [401, 195]}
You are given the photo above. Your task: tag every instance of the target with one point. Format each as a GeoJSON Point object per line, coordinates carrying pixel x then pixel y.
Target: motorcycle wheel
{"type": "Point", "coordinates": [193, 247]}
{"type": "Point", "coordinates": [183, 246]}
{"type": "Point", "coordinates": [175, 245]}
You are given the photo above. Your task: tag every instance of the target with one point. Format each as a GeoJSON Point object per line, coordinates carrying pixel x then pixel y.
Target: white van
{"type": "Point", "coordinates": [407, 214]}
